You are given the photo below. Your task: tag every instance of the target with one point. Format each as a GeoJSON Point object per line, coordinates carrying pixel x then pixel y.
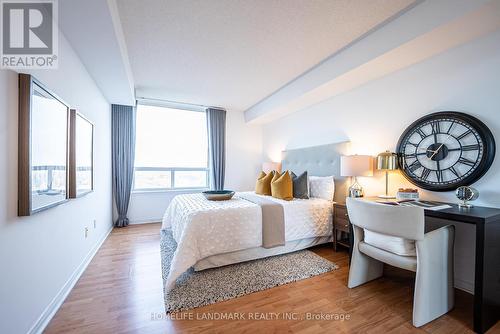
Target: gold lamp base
{"type": "Point", "coordinates": [387, 161]}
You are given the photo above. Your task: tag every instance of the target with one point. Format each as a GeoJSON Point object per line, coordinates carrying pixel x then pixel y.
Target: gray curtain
{"type": "Point", "coordinates": [123, 154]}
{"type": "Point", "coordinates": [216, 125]}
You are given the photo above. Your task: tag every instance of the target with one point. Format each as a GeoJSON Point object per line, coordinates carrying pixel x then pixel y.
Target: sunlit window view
{"type": "Point", "coordinates": [171, 149]}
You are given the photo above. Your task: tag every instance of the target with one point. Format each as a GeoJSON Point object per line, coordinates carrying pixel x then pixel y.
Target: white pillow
{"type": "Point", "coordinates": [396, 245]}
{"type": "Point", "coordinates": [322, 187]}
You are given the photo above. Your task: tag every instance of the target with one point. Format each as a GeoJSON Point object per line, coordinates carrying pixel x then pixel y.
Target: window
{"type": "Point", "coordinates": [171, 149]}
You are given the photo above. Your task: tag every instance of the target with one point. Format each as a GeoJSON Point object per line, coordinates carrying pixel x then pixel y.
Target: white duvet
{"type": "Point", "coordinates": [204, 228]}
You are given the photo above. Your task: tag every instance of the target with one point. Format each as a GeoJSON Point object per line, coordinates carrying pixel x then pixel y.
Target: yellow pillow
{"type": "Point", "coordinates": [276, 176]}
{"type": "Point", "coordinates": [282, 186]}
{"type": "Point", "coordinates": [263, 185]}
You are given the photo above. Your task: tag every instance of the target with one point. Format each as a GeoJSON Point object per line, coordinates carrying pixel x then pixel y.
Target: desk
{"type": "Point", "coordinates": [487, 259]}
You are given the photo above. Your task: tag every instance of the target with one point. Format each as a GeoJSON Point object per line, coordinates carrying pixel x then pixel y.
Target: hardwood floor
{"type": "Point", "coordinates": [121, 292]}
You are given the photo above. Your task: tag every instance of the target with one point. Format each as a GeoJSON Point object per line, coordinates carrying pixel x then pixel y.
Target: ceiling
{"type": "Point", "coordinates": [429, 29]}
{"type": "Point", "coordinates": [235, 53]}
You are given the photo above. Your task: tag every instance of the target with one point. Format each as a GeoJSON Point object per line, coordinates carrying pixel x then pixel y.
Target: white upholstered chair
{"type": "Point", "coordinates": [395, 235]}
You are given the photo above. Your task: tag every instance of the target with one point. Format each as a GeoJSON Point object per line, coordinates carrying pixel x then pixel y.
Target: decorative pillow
{"type": "Point", "coordinates": [263, 185]}
{"type": "Point", "coordinates": [322, 187]}
{"type": "Point", "coordinates": [396, 245]}
{"type": "Point", "coordinates": [300, 185]}
{"type": "Point", "coordinates": [276, 176]}
{"type": "Point", "coordinates": [282, 186]}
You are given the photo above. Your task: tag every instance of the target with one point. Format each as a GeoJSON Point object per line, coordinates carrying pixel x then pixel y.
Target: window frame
{"type": "Point", "coordinates": [172, 170]}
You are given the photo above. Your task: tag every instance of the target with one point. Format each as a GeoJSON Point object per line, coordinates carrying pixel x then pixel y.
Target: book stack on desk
{"type": "Point", "coordinates": [427, 205]}
{"type": "Point", "coordinates": [407, 193]}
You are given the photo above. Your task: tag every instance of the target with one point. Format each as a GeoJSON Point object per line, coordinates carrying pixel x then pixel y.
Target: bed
{"type": "Point", "coordinates": [212, 234]}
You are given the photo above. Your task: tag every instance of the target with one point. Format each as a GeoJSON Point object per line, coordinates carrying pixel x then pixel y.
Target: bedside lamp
{"type": "Point", "coordinates": [356, 165]}
{"type": "Point", "coordinates": [268, 167]}
{"type": "Point", "coordinates": [387, 161]}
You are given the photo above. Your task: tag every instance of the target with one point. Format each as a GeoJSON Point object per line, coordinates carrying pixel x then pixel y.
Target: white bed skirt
{"type": "Point", "coordinates": [220, 260]}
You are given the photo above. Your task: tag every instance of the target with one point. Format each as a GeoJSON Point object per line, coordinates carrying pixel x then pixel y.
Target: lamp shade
{"type": "Point", "coordinates": [387, 161]}
{"type": "Point", "coordinates": [356, 165]}
{"type": "Point", "coordinates": [270, 166]}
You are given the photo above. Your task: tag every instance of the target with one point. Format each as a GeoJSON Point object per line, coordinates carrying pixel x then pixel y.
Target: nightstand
{"type": "Point", "coordinates": [342, 230]}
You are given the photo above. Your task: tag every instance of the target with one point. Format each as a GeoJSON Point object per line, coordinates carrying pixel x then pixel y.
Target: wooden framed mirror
{"type": "Point", "coordinates": [81, 155]}
{"type": "Point", "coordinates": [43, 147]}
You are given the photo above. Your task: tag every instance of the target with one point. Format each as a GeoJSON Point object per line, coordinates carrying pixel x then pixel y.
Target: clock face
{"type": "Point", "coordinates": [445, 150]}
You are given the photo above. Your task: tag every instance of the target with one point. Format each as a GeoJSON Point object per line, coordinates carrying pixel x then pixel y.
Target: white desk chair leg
{"type": "Point", "coordinates": [362, 268]}
{"type": "Point", "coordinates": [434, 293]}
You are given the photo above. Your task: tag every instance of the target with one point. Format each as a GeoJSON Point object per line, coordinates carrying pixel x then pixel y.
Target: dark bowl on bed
{"type": "Point", "coordinates": [218, 195]}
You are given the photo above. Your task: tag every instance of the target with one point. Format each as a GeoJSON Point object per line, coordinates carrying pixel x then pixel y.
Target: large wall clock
{"type": "Point", "coordinates": [445, 150]}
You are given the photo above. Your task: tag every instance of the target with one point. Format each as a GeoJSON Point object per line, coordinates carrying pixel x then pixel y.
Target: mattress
{"type": "Point", "coordinates": [205, 228]}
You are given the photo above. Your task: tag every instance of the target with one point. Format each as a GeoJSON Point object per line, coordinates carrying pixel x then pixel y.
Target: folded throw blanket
{"type": "Point", "coordinates": [273, 220]}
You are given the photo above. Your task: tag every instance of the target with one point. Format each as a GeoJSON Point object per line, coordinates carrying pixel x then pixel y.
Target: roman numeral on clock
{"type": "Point", "coordinates": [439, 175]}
{"type": "Point", "coordinates": [470, 147]}
{"type": "Point", "coordinates": [466, 161]}
{"type": "Point", "coordinates": [414, 165]}
{"type": "Point", "coordinates": [425, 173]}
{"type": "Point", "coordinates": [436, 128]}
{"type": "Point", "coordinates": [465, 134]}
{"type": "Point", "coordinates": [454, 171]}
{"type": "Point", "coordinates": [451, 126]}
{"type": "Point", "coordinates": [411, 156]}
{"type": "Point", "coordinates": [421, 133]}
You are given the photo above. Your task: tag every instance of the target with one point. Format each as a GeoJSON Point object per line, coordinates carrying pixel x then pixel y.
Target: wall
{"type": "Point", "coordinates": [41, 255]}
{"type": "Point", "coordinates": [243, 160]}
{"type": "Point", "coordinates": [374, 115]}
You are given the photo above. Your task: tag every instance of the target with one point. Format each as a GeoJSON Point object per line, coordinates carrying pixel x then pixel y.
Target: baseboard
{"type": "Point", "coordinates": [464, 285]}
{"type": "Point", "coordinates": [55, 304]}
{"type": "Point", "coordinates": [150, 221]}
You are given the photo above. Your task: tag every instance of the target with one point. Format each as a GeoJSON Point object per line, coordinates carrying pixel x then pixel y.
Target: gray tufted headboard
{"type": "Point", "coordinates": [321, 160]}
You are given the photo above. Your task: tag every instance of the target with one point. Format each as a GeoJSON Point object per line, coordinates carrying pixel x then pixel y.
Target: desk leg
{"type": "Point", "coordinates": [487, 276]}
